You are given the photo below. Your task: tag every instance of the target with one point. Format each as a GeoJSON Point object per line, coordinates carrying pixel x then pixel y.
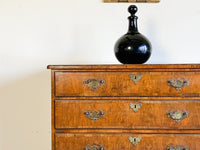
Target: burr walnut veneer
{"type": "Point", "coordinates": [125, 107]}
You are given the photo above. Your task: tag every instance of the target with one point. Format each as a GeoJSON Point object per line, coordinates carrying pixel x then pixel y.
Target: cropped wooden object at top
{"type": "Point", "coordinates": [115, 107]}
{"type": "Point", "coordinates": [131, 1]}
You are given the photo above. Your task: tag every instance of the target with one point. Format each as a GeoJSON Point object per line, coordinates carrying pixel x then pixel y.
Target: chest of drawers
{"type": "Point", "coordinates": [125, 107]}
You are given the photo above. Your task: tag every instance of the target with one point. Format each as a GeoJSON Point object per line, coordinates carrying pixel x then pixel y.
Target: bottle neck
{"type": "Point", "coordinates": [133, 24]}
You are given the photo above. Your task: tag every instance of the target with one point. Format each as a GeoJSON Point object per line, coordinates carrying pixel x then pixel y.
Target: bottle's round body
{"type": "Point", "coordinates": [132, 48]}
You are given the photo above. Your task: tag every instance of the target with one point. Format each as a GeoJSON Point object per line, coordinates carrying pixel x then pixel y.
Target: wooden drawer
{"type": "Point", "coordinates": [127, 83]}
{"type": "Point", "coordinates": [130, 114]}
{"type": "Point", "coordinates": [126, 141]}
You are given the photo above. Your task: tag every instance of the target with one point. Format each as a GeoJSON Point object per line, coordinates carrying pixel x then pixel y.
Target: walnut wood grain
{"type": "Point", "coordinates": [120, 84]}
{"type": "Point", "coordinates": [118, 114]}
{"type": "Point", "coordinates": [121, 141]}
{"type": "Point", "coordinates": [52, 111]}
{"type": "Point", "coordinates": [114, 67]}
{"type": "Point", "coordinates": [152, 90]}
{"type": "Point", "coordinates": [128, 98]}
{"type": "Point", "coordinates": [134, 131]}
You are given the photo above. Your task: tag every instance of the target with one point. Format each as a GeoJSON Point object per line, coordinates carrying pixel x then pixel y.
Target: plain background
{"type": "Point", "coordinates": [35, 33]}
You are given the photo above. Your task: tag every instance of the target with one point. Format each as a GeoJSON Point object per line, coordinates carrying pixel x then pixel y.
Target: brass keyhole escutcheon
{"type": "Point", "coordinates": [134, 140]}
{"type": "Point", "coordinates": [135, 78]}
{"type": "Point", "coordinates": [135, 106]}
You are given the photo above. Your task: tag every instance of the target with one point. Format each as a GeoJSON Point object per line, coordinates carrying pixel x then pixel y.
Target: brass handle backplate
{"type": "Point", "coordinates": [135, 106]}
{"type": "Point", "coordinates": [94, 83]}
{"type": "Point", "coordinates": [94, 147]}
{"type": "Point", "coordinates": [178, 83]}
{"type": "Point", "coordinates": [177, 148]}
{"type": "Point", "coordinates": [134, 140]}
{"type": "Point", "coordinates": [178, 115]}
{"type": "Point", "coordinates": [94, 115]}
{"type": "Point", "coordinates": [135, 78]}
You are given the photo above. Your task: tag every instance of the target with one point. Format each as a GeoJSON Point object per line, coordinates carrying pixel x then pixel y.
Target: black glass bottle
{"type": "Point", "coordinates": [133, 47]}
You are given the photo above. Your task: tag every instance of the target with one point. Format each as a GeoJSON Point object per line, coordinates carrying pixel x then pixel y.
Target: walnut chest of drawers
{"type": "Point", "coordinates": [125, 107]}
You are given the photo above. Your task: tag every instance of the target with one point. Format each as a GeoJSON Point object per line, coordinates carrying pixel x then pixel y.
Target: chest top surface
{"type": "Point", "coordinates": [126, 67]}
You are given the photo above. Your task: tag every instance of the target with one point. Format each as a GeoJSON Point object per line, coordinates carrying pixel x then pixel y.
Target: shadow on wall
{"type": "Point", "coordinates": [25, 109]}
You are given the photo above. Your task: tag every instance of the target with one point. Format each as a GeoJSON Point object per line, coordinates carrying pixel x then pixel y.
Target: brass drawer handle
{"type": "Point", "coordinates": [178, 83]}
{"type": "Point", "coordinates": [178, 115]}
{"type": "Point", "coordinates": [94, 147]}
{"type": "Point", "coordinates": [134, 140]}
{"type": "Point", "coordinates": [94, 115]}
{"type": "Point", "coordinates": [135, 78]}
{"type": "Point", "coordinates": [93, 83]}
{"type": "Point", "coordinates": [135, 106]}
{"type": "Point", "coordinates": [177, 148]}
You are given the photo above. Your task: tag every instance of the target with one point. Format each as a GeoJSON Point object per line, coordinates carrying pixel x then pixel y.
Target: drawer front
{"type": "Point", "coordinates": [127, 114]}
{"type": "Point", "coordinates": [127, 141]}
{"type": "Point", "coordinates": [127, 83]}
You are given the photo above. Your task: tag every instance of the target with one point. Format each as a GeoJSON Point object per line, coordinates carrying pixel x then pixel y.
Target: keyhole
{"type": "Point", "coordinates": [135, 106]}
{"type": "Point", "coordinates": [134, 140]}
{"type": "Point", "coordinates": [135, 77]}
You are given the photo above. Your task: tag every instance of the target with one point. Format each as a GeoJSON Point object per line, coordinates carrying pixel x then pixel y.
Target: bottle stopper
{"type": "Point", "coordinates": [132, 9]}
